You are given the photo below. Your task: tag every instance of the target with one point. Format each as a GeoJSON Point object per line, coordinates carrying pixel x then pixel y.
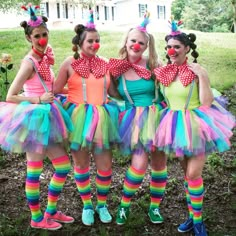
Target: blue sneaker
{"type": "Point", "coordinates": [199, 229]}
{"type": "Point", "coordinates": [88, 217]}
{"type": "Point", "coordinates": [104, 214]}
{"type": "Point", "coordinates": [186, 226]}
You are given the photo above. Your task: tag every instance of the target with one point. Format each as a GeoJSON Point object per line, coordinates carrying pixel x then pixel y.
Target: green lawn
{"type": "Point", "coordinates": [217, 51]}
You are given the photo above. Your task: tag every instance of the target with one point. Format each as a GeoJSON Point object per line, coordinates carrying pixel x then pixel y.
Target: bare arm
{"type": "Point", "coordinates": [112, 91]}
{"type": "Point", "coordinates": [63, 75]}
{"type": "Point", "coordinates": [25, 72]}
{"type": "Point", "coordinates": [205, 93]}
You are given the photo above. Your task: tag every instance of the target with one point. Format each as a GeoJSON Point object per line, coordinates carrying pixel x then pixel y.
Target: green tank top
{"type": "Point", "coordinates": [179, 97]}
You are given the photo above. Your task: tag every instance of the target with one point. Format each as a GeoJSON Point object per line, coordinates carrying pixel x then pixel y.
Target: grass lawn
{"type": "Point", "coordinates": [217, 51]}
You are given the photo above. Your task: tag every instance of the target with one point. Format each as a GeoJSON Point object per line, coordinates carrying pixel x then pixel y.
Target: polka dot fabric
{"type": "Point", "coordinates": [119, 66]}
{"type": "Point", "coordinates": [44, 65]}
{"type": "Point", "coordinates": [95, 65]}
{"type": "Point", "coordinates": [167, 74]}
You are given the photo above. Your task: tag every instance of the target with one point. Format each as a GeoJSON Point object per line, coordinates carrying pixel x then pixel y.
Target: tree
{"type": "Point", "coordinates": [9, 5]}
{"type": "Point", "coordinates": [177, 8]}
{"type": "Point", "coordinates": [205, 15]}
{"type": "Point", "coordinates": [234, 16]}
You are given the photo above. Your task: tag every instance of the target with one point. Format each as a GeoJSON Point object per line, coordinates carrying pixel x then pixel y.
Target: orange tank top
{"type": "Point", "coordinates": [88, 90]}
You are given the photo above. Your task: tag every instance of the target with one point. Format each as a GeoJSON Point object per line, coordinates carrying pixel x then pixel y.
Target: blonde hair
{"type": "Point", "coordinates": [152, 54]}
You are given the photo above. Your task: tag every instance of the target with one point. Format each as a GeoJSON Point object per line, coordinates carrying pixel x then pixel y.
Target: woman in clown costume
{"type": "Point", "coordinates": [37, 124]}
{"type": "Point", "coordinates": [193, 125]}
{"type": "Point", "coordinates": [94, 117]}
{"type": "Point", "coordinates": [132, 74]}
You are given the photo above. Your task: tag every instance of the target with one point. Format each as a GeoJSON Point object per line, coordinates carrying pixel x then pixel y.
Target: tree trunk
{"type": "Point", "coordinates": [234, 16]}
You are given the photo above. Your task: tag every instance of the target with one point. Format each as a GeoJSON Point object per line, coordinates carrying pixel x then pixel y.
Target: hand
{"type": "Point", "coordinates": [198, 70]}
{"type": "Point", "coordinates": [47, 97]}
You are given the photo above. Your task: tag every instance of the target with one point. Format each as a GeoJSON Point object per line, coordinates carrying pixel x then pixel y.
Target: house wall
{"type": "Point", "coordinates": [114, 12]}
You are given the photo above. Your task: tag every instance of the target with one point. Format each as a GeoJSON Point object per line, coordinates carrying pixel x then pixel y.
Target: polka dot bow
{"type": "Point", "coordinates": [119, 66]}
{"type": "Point", "coordinates": [168, 73]}
{"type": "Point", "coordinates": [95, 65]}
{"type": "Point", "coordinates": [44, 65]}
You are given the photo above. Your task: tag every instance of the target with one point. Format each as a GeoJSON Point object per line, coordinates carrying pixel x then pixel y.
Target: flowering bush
{"type": "Point", "coordinates": [5, 66]}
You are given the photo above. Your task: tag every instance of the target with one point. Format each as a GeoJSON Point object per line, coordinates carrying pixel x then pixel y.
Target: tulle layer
{"type": "Point", "coordinates": [96, 126]}
{"type": "Point", "coordinates": [28, 127]}
{"type": "Point", "coordinates": [137, 128]}
{"type": "Point", "coordinates": [195, 132]}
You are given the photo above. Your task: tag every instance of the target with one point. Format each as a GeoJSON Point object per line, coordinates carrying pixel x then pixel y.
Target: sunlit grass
{"type": "Point", "coordinates": [217, 51]}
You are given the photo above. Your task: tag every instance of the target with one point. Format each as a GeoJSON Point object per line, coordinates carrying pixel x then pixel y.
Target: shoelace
{"type": "Point", "coordinates": [49, 221]}
{"type": "Point", "coordinates": [156, 212]}
{"type": "Point", "coordinates": [122, 213]}
{"type": "Point", "coordinates": [89, 212]}
{"type": "Point", "coordinates": [104, 211]}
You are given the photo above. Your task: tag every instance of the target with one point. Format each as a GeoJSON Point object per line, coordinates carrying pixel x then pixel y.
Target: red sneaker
{"type": "Point", "coordinates": [45, 224]}
{"type": "Point", "coordinates": [60, 217]}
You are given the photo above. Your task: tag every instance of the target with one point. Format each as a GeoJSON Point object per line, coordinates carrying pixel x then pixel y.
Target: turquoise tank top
{"type": "Point", "coordinates": [142, 92]}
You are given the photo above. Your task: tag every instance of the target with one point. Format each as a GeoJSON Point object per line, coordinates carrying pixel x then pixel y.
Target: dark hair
{"type": "Point", "coordinates": [186, 40]}
{"type": "Point", "coordinates": [78, 39]}
{"type": "Point", "coordinates": [29, 29]}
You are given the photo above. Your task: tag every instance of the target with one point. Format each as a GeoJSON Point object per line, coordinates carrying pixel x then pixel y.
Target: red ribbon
{"type": "Point", "coordinates": [118, 67]}
{"type": "Point", "coordinates": [44, 65]}
{"type": "Point", "coordinates": [168, 73]}
{"type": "Point", "coordinates": [86, 65]}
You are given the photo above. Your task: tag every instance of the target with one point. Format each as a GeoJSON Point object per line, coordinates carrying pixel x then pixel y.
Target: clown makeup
{"type": "Point", "coordinates": [177, 51]}
{"type": "Point", "coordinates": [136, 44]}
{"type": "Point", "coordinates": [90, 44]}
{"type": "Point", "coordinates": [39, 35]}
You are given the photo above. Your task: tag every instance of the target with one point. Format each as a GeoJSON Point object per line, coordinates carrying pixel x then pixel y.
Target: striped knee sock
{"type": "Point", "coordinates": [157, 187]}
{"type": "Point", "coordinates": [133, 180]}
{"type": "Point", "coordinates": [190, 209]}
{"type": "Point", "coordinates": [103, 183]}
{"type": "Point", "coordinates": [82, 179]}
{"type": "Point", "coordinates": [62, 167]}
{"type": "Point", "coordinates": [34, 169]}
{"type": "Point", "coordinates": [196, 192]}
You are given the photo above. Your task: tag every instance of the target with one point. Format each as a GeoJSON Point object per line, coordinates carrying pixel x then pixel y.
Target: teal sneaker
{"type": "Point", "coordinates": [88, 217]}
{"type": "Point", "coordinates": [122, 215]}
{"type": "Point", "coordinates": [155, 216]}
{"type": "Point", "coordinates": [104, 214]}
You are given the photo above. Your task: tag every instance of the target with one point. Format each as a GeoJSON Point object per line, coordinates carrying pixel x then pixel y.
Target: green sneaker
{"type": "Point", "coordinates": [122, 215]}
{"type": "Point", "coordinates": [104, 214]}
{"type": "Point", "coordinates": [88, 217]}
{"type": "Point", "coordinates": [155, 216]}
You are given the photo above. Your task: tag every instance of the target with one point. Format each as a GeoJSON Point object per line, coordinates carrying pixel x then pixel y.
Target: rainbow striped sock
{"type": "Point", "coordinates": [190, 209]}
{"type": "Point", "coordinates": [34, 169]}
{"type": "Point", "coordinates": [133, 180]}
{"type": "Point", "coordinates": [196, 192]}
{"type": "Point", "coordinates": [82, 179]}
{"type": "Point", "coordinates": [157, 187]}
{"type": "Point", "coordinates": [103, 183]}
{"type": "Point", "coordinates": [62, 167]}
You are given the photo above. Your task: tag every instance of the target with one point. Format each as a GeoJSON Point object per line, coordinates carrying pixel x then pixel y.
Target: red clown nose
{"type": "Point", "coordinates": [96, 46]}
{"type": "Point", "coordinates": [171, 52]}
{"type": "Point", "coordinates": [43, 42]}
{"type": "Point", "coordinates": [136, 46]}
